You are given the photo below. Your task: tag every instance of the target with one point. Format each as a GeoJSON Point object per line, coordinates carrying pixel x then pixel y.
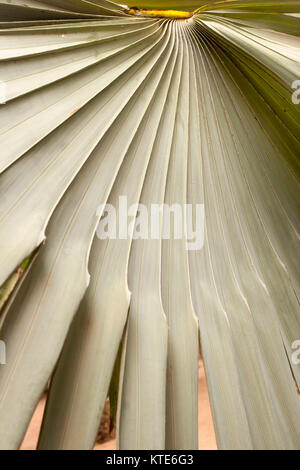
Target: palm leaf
{"type": "Point", "coordinates": [98, 104]}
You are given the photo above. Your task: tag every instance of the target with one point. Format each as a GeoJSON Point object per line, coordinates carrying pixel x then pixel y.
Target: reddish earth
{"type": "Point", "coordinates": [207, 440]}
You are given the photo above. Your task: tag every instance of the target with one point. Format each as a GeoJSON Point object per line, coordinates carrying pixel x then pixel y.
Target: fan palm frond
{"type": "Point", "coordinates": [98, 103]}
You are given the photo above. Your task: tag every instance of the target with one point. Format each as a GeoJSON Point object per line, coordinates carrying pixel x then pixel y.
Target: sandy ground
{"type": "Point", "coordinates": [207, 439]}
